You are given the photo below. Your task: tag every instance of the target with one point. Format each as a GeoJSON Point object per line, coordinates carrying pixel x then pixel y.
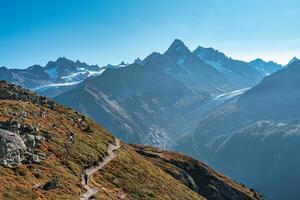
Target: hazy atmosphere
{"type": "Point", "coordinates": [102, 32]}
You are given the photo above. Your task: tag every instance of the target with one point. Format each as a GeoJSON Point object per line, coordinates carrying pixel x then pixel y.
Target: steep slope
{"type": "Point", "coordinates": [52, 146]}
{"type": "Point", "coordinates": [140, 104]}
{"type": "Point", "coordinates": [238, 72]}
{"type": "Point", "coordinates": [255, 137]}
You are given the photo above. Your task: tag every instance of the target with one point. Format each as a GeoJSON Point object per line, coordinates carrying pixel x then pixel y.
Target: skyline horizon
{"type": "Point", "coordinates": [34, 32]}
{"type": "Point", "coordinates": [161, 52]}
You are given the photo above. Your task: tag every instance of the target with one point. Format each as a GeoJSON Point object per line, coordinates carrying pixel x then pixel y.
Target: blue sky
{"type": "Point", "coordinates": [110, 31]}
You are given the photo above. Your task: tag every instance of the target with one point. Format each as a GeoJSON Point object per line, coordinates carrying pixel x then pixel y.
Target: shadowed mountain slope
{"type": "Point", "coordinates": [254, 137]}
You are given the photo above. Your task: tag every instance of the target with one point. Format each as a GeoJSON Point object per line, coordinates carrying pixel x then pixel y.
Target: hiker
{"type": "Point", "coordinates": [85, 176]}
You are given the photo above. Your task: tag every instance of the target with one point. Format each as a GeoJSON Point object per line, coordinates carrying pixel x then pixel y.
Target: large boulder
{"type": "Point", "coordinates": [12, 149]}
{"type": "Point", "coordinates": [50, 185]}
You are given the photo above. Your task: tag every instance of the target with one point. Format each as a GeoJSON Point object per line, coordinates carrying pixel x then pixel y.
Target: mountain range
{"type": "Point", "coordinates": [55, 78]}
{"type": "Point", "coordinates": [156, 100]}
{"type": "Point", "coordinates": [239, 117]}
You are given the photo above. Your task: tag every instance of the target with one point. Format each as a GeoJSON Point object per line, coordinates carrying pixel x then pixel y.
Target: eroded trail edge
{"type": "Point", "coordinates": [90, 171]}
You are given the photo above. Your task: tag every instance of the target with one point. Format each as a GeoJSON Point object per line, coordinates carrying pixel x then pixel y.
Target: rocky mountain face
{"type": "Point", "coordinates": [53, 79]}
{"type": "Point", "coordinates": [254, 137]}
{"type": "Point", "coordinates": [44, 148]}
{"type": "Point", "coordinates": [180, 63]}
{"type": "Point", "coordinates": [238, 72]}
{"type": "Point", "coordinates": [139, 103]}
{"type": "Point", "coordinates": [192, 71]}
{"type": "Point", "coordinates": [265, 68]}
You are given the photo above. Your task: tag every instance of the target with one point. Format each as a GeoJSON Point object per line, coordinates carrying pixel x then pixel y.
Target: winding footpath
{"type": "Point", "coordinates": [90, 171]}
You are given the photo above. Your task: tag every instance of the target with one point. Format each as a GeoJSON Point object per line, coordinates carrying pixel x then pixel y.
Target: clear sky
{"type": "Point", "coordinates": [111, 31]}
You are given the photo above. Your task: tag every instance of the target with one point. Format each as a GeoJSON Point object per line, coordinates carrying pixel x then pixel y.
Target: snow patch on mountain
{"type": "Point", "coordinates": [82, 74]}
{"type": "Point", "coordinates": [229, 95]}
{"type": "Point", "coordinates": [45, 87]}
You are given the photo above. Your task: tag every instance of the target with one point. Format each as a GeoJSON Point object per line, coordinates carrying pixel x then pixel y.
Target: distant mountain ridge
{"type": "Point", "coordinates": [63, 74]}
{"type": "Point", "coordinates": [54, 78]}
{"type": "Point", "coordinates": [238, 72]}
{"type": "Point", "coordinates": [266, 68]}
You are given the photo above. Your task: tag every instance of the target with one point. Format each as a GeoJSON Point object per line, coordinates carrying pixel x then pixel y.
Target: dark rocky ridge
{"type": "Point", "coordinates": [197, 176]}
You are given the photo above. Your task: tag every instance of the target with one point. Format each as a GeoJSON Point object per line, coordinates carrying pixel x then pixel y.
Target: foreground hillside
{"type": "Point", "coordinates": [45, 148]}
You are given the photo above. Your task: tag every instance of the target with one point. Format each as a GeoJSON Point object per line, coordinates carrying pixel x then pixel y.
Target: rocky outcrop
{"type": "Point", "coordinates": [14, 92]}
{"type": "Point", "coordinates": [16, 149]}
{"type": "Point", "coordinates": [12, 149]}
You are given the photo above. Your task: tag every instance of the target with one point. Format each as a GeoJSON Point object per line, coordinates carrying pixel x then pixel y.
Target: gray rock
{"type": "Point", "coordinates": [40, 138]}
{"type": "Point", "coordinates": [33, 158]}
{"type": "Point", "coordinates": [30, 141]}
{"type": "Point", "coordinates": [12, 148]}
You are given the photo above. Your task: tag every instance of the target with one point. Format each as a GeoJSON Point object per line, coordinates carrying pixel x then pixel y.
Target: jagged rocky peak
{"type": "Point", "coordinates": [266, 68]}
{"type": "Point", "coordinates": [138, 61]}
{"type": "Point", "coordinates": [122, 64]}
{"type": "Point", "coordinates": [153, 58]}
{"type": "Point", "coordinates": [178, 48]}
{"type": "Point", "coordinates": [60, 62]}
{"type": "Point", "coordinates": [261, 61]}
{"type": "Point", "coordinates": [209, 54]}
{"type": "Point", "coordinates": [35, 67]}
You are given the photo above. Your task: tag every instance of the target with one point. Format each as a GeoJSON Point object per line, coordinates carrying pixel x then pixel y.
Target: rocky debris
{"type": "Point", "coordinates": [80, 122]}
{"type": "Point", "coordinates": [14, 92]}
{"type": "Point", "coordinates": [15, 125]}
{"type": "Point", "coordinates": [50, 185]}
{"type": "Point", "coordinates": [30, 141]}
{"type": "Point", "coordinates": [32, 158]}
{"type": "Point", "coordinates": [18, 143]}
{"type": "Point", "coordinates": [12, 149]}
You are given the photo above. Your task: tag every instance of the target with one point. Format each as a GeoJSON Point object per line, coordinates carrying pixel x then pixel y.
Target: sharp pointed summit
{"type": "Point", "coordinates": [177, 46]}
